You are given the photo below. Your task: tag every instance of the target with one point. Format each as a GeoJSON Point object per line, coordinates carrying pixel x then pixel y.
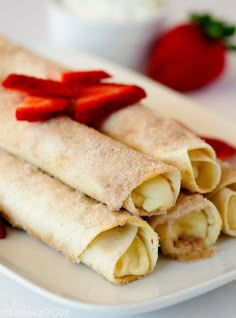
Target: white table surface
{"type": "Point", "coordinates": [25, 21]}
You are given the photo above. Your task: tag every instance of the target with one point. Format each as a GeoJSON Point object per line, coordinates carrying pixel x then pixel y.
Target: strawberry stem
{"type": "Point", "coordinates": [214, 28]}
{"type": "Point", "coordinates": [231, 47]}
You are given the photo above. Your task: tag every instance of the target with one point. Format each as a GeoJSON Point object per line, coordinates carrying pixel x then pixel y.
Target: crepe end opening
{"type": "Point", "coordinates": [206, 172]}
{"type": "Point", "coordinates": [156, 194]}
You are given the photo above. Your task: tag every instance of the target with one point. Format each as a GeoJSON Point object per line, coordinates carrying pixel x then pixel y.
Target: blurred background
{"type": "Point", "coordinates": [29, 22]}
{"type": "Point", "coordinates": [26, 20]}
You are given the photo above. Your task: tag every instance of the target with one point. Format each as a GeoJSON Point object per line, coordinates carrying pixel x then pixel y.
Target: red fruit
{"type": "Point", "coordinates": [37, 86]}
{"type": "Point", "coordinates": [2, 230]}
{"type": "Point", "coordinates": [84, 77]}
{"type": "Point", "coordinates": [35, 109]}
{"type": "Point", "coordinates": [190, 55]}
{"type": "Point", "coordinates": [86, 103]}
{"type": "Point", "coordinates": [95, 103]}
{"type": "Point", "coordinates": [223, 150]}
{"type": "Point", "coordinates": [100, 101]}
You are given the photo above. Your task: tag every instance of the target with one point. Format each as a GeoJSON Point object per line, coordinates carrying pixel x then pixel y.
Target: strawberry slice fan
{"type": "Point", "coordinates": [191, 55]}
{"type": "Point", "coordinates": [83, 97]}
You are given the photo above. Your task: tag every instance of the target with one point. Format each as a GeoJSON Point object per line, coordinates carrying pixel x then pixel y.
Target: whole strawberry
{"type": "Point", "coordinates": [191, 55]}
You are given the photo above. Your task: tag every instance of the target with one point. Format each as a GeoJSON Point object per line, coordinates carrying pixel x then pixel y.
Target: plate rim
{"type": "Point", "coordinates": [127, 309]}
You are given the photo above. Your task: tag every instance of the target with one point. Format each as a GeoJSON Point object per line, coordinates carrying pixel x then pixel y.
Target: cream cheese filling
{"type": "Point", "coordinates": [225, 202]}
{"type": "Point", "coordinates": [190, 236]}
{"type": "Point", "coordinates": [135, 260]}
{"type": "Point", "coordinates": [232, 212]}
{"type": "Point", "coordinates": [153, 194]}
{"type": "Point", "coordinates": [205, 171]}
{"type": "Point", "coordinates": [191, 226]}
{"type": "Point", "coordinates": [123, 247]}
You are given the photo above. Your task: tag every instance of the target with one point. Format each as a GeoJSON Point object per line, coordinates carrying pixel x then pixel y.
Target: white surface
{"type": "Point", "coordinates": [24, 24]}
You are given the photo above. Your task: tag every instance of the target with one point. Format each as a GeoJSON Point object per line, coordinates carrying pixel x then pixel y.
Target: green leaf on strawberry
{"type": "Point", "coordinates": [214, 28]}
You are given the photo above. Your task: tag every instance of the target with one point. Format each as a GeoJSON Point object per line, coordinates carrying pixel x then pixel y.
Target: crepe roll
{"type": "Point", "coordinates": [81, 157]}
{"type": "Point", "coordinates": [188, 232]}
{"type": "Point", "coordinates": [89, 161]}
{"type": "Point", "coordinates": [137, 126]}
{"type": "Point", "coordinates": [20, 61]}
{"type": "Point", "coordinates": [224, 198]}
{"type": "Point", "coordinates": [119, 246]}
{"type": "Point", "coordinates": [143, 129]}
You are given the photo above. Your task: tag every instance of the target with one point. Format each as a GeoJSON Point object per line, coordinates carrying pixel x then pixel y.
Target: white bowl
{"type": "Point", "coordinates": [126, 42]}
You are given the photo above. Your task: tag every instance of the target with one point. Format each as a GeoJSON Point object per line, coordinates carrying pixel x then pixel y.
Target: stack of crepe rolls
{"type": "Point", "coordinates": [89, 161]}
{"type": "Point", "coordinates": [189, 231]}
{"type": "Point", "coordinates": [143, 129]}
{"type": "Point", "coordinates": [224, 198]}
{"type": "Point", "coordinates": [77, 154]}
{"type": "Point", "coordinates": [140, 128]}
{"type": "Point", "coordinates": [120, 246]}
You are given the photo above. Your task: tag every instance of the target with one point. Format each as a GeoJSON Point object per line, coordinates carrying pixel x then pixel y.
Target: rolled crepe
{"type": "Point", "coordinates": [224, 198]}
{"type": "Point", "coordinates": [119, 246]}
{"type": "Point", "coordinates": [17, 60]}
{"type": "Point", "coordinates": [89, 161]}
{"type": "Point", "coordinates": [139, 127]}
{"type": "Point", "coordinates": [79, 156]}
{"type": "Point", "coordinates": [145, 130]}
{"type": "Point", "coordinates": [188, 232]}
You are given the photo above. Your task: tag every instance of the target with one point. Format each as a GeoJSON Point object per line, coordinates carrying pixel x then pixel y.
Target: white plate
{"type": "Point", "coordinates": [49, 273]}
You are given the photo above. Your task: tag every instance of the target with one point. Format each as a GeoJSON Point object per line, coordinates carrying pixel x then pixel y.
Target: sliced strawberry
{"type": "Point", "coordinates": [86, 103]}
{"type": "Point", "coordinates": [2, 230]}
{"type": "Point", "coordinates": [100, 101]}
{"type": "Point", "coordinates": [35, 109]}
{"type": "Point", "coordinates": [37, 86]}
{"type": "Point", "coordinates": [111, 89]}
{"type": "Point", "coordinates": [84, 77]}
{"type": "Point", "coordinates": [223, 150]}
